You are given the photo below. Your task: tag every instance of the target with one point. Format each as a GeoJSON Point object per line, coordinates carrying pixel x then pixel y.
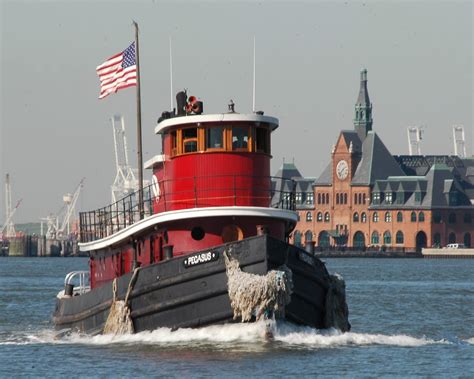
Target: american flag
{"type": "Point", "coordinates": [117, 72]}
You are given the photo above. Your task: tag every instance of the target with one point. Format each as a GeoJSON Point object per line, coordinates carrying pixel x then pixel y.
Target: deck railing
{"type": "Point", "coordinates": [194, 192]}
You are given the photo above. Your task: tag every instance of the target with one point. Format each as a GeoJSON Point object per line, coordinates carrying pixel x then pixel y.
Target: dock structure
{"type": "Point", "coordinates": [447, 253]}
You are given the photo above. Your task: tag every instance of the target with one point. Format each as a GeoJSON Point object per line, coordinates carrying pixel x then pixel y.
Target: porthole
{"type": "Point", "coordinates": [197, 233]}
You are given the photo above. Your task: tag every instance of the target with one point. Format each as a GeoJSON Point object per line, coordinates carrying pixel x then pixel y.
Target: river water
{"type": "Point", "coordinates": [410, 318]}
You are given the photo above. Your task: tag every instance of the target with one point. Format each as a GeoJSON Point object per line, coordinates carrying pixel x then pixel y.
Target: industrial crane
{"type": "Point", "coordinates": [8, 228]}
{"type": "Point", "coordinates": [57, 229]}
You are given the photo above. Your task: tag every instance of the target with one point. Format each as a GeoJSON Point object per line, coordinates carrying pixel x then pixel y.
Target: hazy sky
{"type": "Point", "coordinates": [54, 130]}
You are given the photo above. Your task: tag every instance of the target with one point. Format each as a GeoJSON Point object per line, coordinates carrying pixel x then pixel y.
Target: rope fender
{"type": "Point", "coordinates": [119, 320]}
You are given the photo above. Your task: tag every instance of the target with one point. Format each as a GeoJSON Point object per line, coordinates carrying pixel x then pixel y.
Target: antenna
{"type": "Point", "coordinates": [171, 78]}
{"type": "Point", "coordinates": [253, 107]}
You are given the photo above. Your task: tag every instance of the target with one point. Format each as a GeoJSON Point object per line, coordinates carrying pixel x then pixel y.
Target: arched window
{"type": "Point", "coordinates": [345, 198]}
{"type": "Point", "coordinates": [327, 198]}
{"type": "Point", "coordinates": [467, 240]}
{"type": "Point", "coordinates": [358, 240]}
{"type": "Point", "coordinates": [355, 198]}
{"type": "Point", "coordinates": [467, 218]}
{"type": "Point", "coordinates": [337, 198]}
{"type": "Point", "coordinates": [452, 218]}
{"type": "Point", "coordinates": [399, 217]}
{"type": "Point", "coordinates": [363, 217]}
{"type": "Point", "coordinates": [319, 217]}
{"type": "Point", "coordinates": [308, 236]}
{"type": "Point", "coordinates": [437, 240]}
{"type": "Point", "coordinates": [363, 198]}
{"type": "Point", "coordinates": [375, 217]}
{"type": "Point", "coordinates": [355, 217]}
{"type": "Point", "coordinates": [413, 217]}
{"type": "Point", "coordinates": [359, 198]}
{"type": "Point", "coordinates": [319, 198]}
{"type": "Point", "coordinates": [388, 217]}
{"type": "Point", "coordinates": [421, 217]}
{"type": "Point", "coordinates": [327, 218]}
{"type": "Point", "coordinates": [323, 239]}
{"type": "Point", "coordinates": [387, 238]}
{"type": "Point", "coordinates": [375, 238]}
{"type": "Point", "coordinates": [452, 238]}
{"type": "Point", "coordinates": [309, 216]}
{"type": "Point", "coordinates": [399, 237]}
{"type": "Point", "coordinates": [297, 238]}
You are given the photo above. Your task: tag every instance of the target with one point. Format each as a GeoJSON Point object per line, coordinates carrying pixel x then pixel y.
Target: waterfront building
{"type": "Point", "coordinates": [367, 197]}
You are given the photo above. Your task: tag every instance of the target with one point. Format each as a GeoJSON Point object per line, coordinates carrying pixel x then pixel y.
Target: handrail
{"type": "Point", "coordinates": [194, 192]}
{"type": "Point", "coordinates": [82, 288]}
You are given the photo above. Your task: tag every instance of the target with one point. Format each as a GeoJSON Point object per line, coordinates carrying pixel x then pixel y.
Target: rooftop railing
{"type": "Point", "coordinates": [186, 193]}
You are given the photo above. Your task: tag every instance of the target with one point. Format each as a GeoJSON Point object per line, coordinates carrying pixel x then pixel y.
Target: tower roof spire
{"type": "Point", "coordinates": [363, 109]}
{"type": "Point", "coordinates": [363, 98]}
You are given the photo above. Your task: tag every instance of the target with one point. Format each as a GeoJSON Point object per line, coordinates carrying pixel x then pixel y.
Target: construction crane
{"type": "Point", "coordinates": [459, 141]}
{"type": "Point", "coordinates": [57, 229]}
{"type": "Point", "coordinates": [8, 228]}
{"type": "Point", "coordinates": [415, 135]}
{"type": "Point", "coordinates": [125, 181]}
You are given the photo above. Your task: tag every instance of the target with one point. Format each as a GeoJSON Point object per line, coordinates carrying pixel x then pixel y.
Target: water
{"type": "Point", "coordinates": [410, 317]}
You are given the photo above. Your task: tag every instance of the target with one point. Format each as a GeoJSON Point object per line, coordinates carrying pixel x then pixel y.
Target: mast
{"type": "Point", "coordinates": [139, 128]}
{"type": "Point", "coordinates": [171, 78]}
{"type": "Point", "coordinates": [253, 103]}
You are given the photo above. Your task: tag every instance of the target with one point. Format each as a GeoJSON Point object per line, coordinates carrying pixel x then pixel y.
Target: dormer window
{"type": "Point", "coordinates": [453, 198]}
{"type": "Point", "coordinates": [400, 198]}
{"type": "Point", "coordinates": [298, 197]}
{"type": "Point", "coordinates": [376, 198]}
{"type": "Point", "coordinates": [310, 198]}
{"type": "Point", "coordinates": [389, 198]}
{"type": "Point", "coordinates": [418, 197]}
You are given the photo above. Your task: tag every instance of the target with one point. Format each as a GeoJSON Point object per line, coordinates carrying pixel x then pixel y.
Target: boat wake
{"type": "Point", "coordinates": [279, 334]}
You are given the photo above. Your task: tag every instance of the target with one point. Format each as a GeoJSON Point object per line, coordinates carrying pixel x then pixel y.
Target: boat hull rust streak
{"type": "Point", "coordinates": [169, 294]}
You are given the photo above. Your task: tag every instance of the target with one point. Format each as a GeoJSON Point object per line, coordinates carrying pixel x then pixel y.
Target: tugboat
{"type": "Point", "coordinates": [215, 226]}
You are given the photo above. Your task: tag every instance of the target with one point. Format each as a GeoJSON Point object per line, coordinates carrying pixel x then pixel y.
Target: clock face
{"type": "Point", "coordinates": [342, 169]}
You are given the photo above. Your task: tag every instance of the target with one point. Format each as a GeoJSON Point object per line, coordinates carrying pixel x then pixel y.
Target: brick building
{"type": "Point", "coordinates": [368, 197]}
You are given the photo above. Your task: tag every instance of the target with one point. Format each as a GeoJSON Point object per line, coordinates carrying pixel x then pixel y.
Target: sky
{"type": "Point", "coordinates": [54, 131]}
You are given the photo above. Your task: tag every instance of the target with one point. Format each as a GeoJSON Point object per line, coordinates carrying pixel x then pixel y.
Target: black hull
{"type": "Point", "coordinates": [167, 294]}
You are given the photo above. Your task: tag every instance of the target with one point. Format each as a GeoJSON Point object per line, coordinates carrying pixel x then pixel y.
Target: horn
{"type": "Point", "coordinates": [197, 107]}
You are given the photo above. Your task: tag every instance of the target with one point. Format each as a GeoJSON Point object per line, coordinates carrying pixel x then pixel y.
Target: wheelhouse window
{"type": "Point", "coordinates": [214, 138]}
{"type": "Point", "coordinates": [190, 140]}
{"type": "Point", "coordinates": [240, 138]}
{"type": "Point", "coordinates": [174, 143]}
{"type": "Point", "coordinates": [262, 140]}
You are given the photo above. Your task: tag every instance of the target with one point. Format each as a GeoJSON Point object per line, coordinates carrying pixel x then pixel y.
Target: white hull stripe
{"type": "Point", "coordinates": [186, 214]}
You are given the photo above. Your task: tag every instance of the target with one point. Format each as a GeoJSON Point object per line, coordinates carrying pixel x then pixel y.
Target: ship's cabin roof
{"type": "Point", "coordinates": [188, 120]}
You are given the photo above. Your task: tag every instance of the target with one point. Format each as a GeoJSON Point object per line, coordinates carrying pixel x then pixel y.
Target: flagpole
{"type": "Point", "coordinates": [139, 128]}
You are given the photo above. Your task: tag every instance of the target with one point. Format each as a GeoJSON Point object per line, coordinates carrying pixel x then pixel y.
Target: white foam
{"type": "Point", "coordinates": [470, 340]}
{"type": "Point", "coordinates": [305, 336]}
{"type": "Point", "coordinates": [252, 335]}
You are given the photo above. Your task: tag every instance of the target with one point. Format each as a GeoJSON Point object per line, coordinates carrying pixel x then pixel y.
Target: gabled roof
{"type": "Point", "coordinates": [325, 179]}
{"type": "Point", "coordinates": [288, 171]}
{"type": "Point", "coordinates": [376, 163]}
{"type": "Point", "coordinates": [351, 137]}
